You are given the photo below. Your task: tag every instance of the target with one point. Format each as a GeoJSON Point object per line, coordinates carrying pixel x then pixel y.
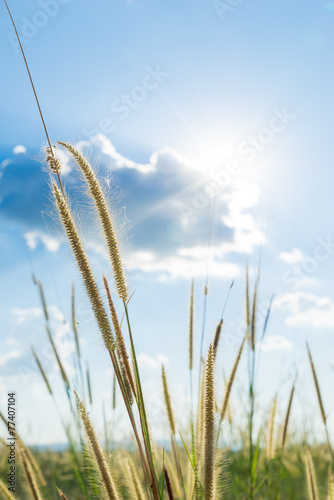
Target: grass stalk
{"type": "Point", "coordinates": [321, 404]}
{"type": "Point", "coordinates": [209, 429]}
{"type": "Point", "coordinates": [31, 479]}
{"type": "Point", "coordinates": [105, 219]}
{"type": "Point", "coordinates": [106, 478]}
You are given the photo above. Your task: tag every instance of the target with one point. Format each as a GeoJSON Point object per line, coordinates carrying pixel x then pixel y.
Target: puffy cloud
{"type": "Point", "coordinates": [29, 329]}
{"type": "Point", "coordinates": [110, 156]}
{"type": "Point", "coordinates": [22, 316]}
{"type": "Point", "coordinates": [151, 362]}
{"type": "Point", "coordinates": [23, 191]}
{"type": "Point", "coordinates": [307, 310]}
{"type": "Point", "coordinates": [33, 238]}
{"type": "Point", "coordinates": [276, 343]}
{"type": "Point", "coordinates": [5, 163]}
{"type": "Point", "coordinates": [187, 262]}
{"type": "Point", "coordinates": [5, 358]}
{"type": "Point", "coordinates": [19, 150]}
{"type": "Point", "coordinates": [167, 201]}
{"type": "Point", "coordinates": [293, 257]}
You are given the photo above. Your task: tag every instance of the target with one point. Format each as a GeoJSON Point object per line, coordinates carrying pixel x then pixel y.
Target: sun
{"type": "Point", "coordinates": [213, 153]}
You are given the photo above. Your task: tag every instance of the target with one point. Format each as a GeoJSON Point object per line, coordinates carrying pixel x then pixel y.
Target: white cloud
{"type": "Point", "coordinates": [5, 358]}
{"type": "Point", "coordinates": [169, 154]}
{"type": "Point", "coordinates": [33, 238]}
{"type": "Point", "coordinates": [152, 362]}
{"type": "Point", "coordinates": [170, 214]}
{"type": "Point", "coordinates": [19, 150]}
{"type": "Point", "coordinates": [246, 233]}
{"type": "Point", "coordinates": [12, 342]}
{"type": "Point", "coordinates": [187, 262]}
{"type": "Point", "coordinates": [276, 343]}
{"type": "Point", "coordinates": [5, 163]}
{"type": "Point", "coordinates": [114, 160]}
{"type": "Point", "coordinates": [22, 316]}
{"type": "Point", "coordinates": [307, 310]}
{"type": "Point", "coordinates": [293, 257]}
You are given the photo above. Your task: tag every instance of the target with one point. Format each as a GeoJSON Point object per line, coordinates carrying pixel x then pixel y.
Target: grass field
{"type": "Point", "coordinates": [217, 454]}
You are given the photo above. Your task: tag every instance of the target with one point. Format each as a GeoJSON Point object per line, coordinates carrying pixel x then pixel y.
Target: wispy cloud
{"type": "Point", "coordinates": [22, 316]}
{"type": "Point", "coordinates": [307, 310]}
{"type": "Point", "coordinates": [293, 257]}
{"type": "Point", "coordinates": [19, 149]}
{"type": "Point", "coordinates": [152, 362]}
{"type": "Point", "coordinates": [13, 354]}
{"type": "Point", "coordinates": [170, 217]}
{"type": "Point", "coordinates": [276, 343]}
{"type": "Point", "coordinates": [33, 238]}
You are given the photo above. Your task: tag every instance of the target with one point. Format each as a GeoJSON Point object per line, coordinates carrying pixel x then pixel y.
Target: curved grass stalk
{"type": "Point", "coordinates": [85, 269]}
{"type": "Point", "coordinates": [121, 347]}
{"type": "Point", "coordinates": [105, 219]}
{"type": "Point", "coordinates": [168, 402]}
{"type": "Point", "coordinates": [134, 481]}
{"type": "Point", "coordinates": [97, 306]}
{"type": "Point", "coordinates": [168, 484]}
{"type": "Point", "coordinates": [61, 494]}
{"type": "Point", "coordinates": [209, 429]}
{"type": "Point", "coordinates": [53, 164]}
{"type": "Point", "coordinates": [30, 477]}
{"type": "Point", "coordinates": [229, 385]}
{"type": "Point", "coordinates": [106, 478]}
{"type": "Point", "coordinates": [311, 477]}
{"type": "Point", "coordinates": [7, 495]}
{"type": "Point", "coordinates": [321, 404]}
{"type": "Point", "coordinates": [287, 418]}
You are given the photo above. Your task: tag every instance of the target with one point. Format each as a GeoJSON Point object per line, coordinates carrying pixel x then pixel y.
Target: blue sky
{"type": "Point", "coordinates": [171, 101]}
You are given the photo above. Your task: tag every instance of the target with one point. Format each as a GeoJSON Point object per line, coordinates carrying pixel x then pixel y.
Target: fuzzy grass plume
{"type": "Point", "coordinates": [317, 387]}
{"type": "Point", "coordinates": [217, 337]}
{"type": "Point", "coordinates": [168, 402]}
{"type": "Point", "coordinates": [270, 449]}
{"type": "Point", "coordinates": [330, 488]}
{"type": "Point", "coordinates": [311, 477]}
{"type": "Point", "coordinates": [121, 347]}
{"type": "Point", "coordinates": [168, 485]}
{"type": "Point", "coordinates": [105, 219]}
{"type": "Point", "coordinates": [209, 428]}
{"type": "Point", "coordinates": [106, 478]}
{"type": "Point", "coordinates": [230, 383]}
{"type": "Point", "coordinates": [85, 269]}
{"type": "Point", "coordinates": [191, 327]}
{"type": "Point", "coordinates": [6, 494]}
{"type": "Point", "coordinates": [133, 480]}
{"type": "Point", "coordinates": [287, 417]}
{"type": "Point", "coordinates": [31, 479]}
{"type": "Point", "coordinates": [321, 404]}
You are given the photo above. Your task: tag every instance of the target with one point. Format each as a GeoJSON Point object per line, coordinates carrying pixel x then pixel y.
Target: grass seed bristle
{"type": "Point", "coordinates": [191, 327]}
{"type": "Point", "coordinates": [168, 402]}
{"type": "Point", "coordinates": [30, 476]}
{"type": "Point", "coordinates": [106, 478]}
{"type": "Point", "coordinates": [105, 220]}
{"type": "Point", "coordinates": [85, 269]}
{"type": "Point", "coordinates": [168, 485]}
{"type": "Point", "coordinates": [209, 429]}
